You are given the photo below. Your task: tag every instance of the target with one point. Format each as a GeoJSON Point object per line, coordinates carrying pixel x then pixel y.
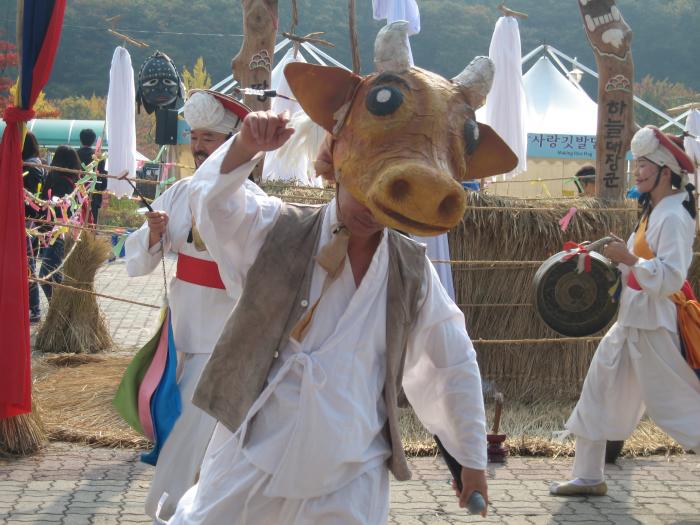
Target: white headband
{"type": "Point", "coordinates": [203, 111]}
{"type": "Point", "coordinates": [645, 144]}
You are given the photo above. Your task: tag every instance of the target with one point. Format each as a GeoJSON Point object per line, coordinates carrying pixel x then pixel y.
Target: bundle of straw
{"type": "Point", "coordinates": [22, 435]}
{"type": "Point", "coordinates": [76, 402]}
{"type": "Point", "coordinates": [74, 323]}
{"type": "Point", "coordinates": [490, 231]}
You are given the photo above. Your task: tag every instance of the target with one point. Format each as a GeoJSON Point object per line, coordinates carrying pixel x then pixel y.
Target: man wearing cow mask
{"type": "Point", "coordinates": [340, 317]}
{"type": "Point", "coordinates": [198, 302]}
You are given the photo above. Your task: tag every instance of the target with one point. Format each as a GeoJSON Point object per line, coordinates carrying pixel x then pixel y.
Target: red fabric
{"type": "Point", "coordinates": [15, 372]}
{"type": "Point", "coordinates": [198, 271]}
{"type": "Point", "coordinates": [580, 249]}
{"type": "Point", "coordinates": [686, 289]}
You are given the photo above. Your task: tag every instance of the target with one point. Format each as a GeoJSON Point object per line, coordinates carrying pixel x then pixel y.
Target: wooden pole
{"type": "Point", "coordinates": [252, 66]}
{"type": "Point", "coordinates": [611, 39]}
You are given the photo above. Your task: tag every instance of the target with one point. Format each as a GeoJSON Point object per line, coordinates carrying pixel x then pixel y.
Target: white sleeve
{"type": "Point", "coordinates": [140, 259]}
{"type": "Point", "coordinates": [441, 377]}
{"type": "Point", "coordinates": [232, 215]}
{"type": "Point", "coordinates": [664, 274]}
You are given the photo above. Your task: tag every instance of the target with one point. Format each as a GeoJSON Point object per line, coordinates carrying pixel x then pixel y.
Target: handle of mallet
{"type": "Point", "coordinates": [497, 415]}
{"type": "Point", "coordinates": [476, 503]}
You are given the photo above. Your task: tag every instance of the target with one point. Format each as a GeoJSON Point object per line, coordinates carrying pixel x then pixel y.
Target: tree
{"type": "Point", "coordinates": [198, 78]}
{"type": "Point", "coordinates": [662, 94]}
{"type": "Point", "coordinates": [43, 108]}
{"type": "Point", "coordinates": [82, 108]}
{"type": "Point", "coordinates": [8, 60]}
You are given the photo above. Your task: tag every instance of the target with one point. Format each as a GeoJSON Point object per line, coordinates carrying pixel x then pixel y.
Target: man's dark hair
{"type": "Point", "coordinates": [87, 137]}
{"type": "Point", "coordinates": [30, 149]}
{"type": "Point", "coordinates": [586, 173]}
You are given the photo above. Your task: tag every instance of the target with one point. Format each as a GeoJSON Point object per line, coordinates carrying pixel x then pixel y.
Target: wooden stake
{"type": "Point", "coordinates": [611, 39]}
{"type": "Point", "coordinates": [252, 66]}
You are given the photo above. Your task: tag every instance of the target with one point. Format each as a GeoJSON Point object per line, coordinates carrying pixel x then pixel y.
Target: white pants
{"type": "Point", "coordinates": [633, 371]}
{"type": "Point", "coordinates": [231, 490]}
{"type": "Point", "coordinates": [181, 456]}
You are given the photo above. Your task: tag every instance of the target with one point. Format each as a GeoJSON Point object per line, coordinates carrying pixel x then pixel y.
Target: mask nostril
{"type": "Point", "coordinates": [449, 205]}
{"type": "Point", "coordinates": [399, 189]}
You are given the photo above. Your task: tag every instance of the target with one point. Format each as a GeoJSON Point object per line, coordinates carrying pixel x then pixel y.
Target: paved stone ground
{"type": "Point", "coordinates": [77, 485]}
{"type": "Point", "coordinates": [74, 485]}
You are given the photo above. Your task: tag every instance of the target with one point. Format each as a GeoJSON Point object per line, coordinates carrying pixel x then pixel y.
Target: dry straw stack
{"type": "Point", "coordinates": [508, 229]}
{"type": "Point", "coordinates": [74, 323]}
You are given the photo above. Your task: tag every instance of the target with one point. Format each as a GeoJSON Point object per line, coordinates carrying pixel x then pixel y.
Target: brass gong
{"type": "Point", "coordinates": [572, 303]}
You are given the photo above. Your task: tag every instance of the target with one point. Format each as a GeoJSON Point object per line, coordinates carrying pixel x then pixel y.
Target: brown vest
{"type": "Point", "coordinates": [275, 296]}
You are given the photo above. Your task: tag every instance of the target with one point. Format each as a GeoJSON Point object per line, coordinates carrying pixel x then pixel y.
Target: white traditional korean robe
{"type": "Point", "coordinates": [314, 449]}
{"type": "Point", "coordinates": [638, 365]}
{"type": "Point", "coordinates": [198, 316]}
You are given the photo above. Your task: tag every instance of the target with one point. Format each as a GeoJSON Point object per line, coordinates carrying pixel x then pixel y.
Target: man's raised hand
{"type": "Point", "coordinates": [264, 131]}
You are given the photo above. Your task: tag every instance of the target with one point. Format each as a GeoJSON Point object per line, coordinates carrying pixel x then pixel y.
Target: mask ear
{"type": "Point", "coordinates": [321, 90]}
{"type": "Point", "coordinates": [492, 156]}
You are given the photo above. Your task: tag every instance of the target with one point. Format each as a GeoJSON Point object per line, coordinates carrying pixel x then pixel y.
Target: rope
{"type": "Point", "coordinates": [490, 208]}
{"type": "Point", "coordinates": [92, 228]}
{"type": "Point", "coordinates": [48, 167]}
{"type": "Point", "coordinates": [487, 263]}
{"type": "Point", "coordinates": [536, 341]}
{"type": "Point", "coordinates": [105, 296]}
{"type": "Point", "coordinates": [494, 305]}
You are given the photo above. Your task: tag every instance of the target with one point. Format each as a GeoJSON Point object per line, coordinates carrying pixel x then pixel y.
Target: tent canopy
{"type": "Point", "coordinates": [52, 133]}
{"type": "Point", "coordinates": [555, 105]}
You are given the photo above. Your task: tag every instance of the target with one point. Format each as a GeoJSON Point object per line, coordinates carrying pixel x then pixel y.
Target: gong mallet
{"type": "Point", "coordinates": [496, 451]}
{"type": "Point", "coordinates": [476, 503]}
{"type": "Point", "coordinates": [123, 176]}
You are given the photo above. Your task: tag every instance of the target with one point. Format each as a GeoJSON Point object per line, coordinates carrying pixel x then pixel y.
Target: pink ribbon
{"type": "Point", "coordinates": [566, 219]}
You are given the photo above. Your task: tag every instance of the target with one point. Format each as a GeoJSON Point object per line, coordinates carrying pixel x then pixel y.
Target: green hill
{"type": "Point", "coordinates": [453, 32]}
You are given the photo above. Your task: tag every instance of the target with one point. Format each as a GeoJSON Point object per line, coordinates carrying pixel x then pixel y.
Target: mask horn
{"type": "Point", "coordinates": [475, 81]}
{"type": "Point", "coordinates": [391, 48]}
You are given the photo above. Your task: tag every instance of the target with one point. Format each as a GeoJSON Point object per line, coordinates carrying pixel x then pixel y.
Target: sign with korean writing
{"type": "Point", "coordinates": [561, 146]}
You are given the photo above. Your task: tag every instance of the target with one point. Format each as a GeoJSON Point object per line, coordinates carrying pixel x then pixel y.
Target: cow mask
{"type": "Point", "coordinates": [404, 137]}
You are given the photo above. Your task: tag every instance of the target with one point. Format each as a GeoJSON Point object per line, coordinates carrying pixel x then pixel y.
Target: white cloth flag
{"type": "Point", "coordinates": [121, 124]}
{"type": "Point", "coordinates": [692, 145]}
{"type": "Point", "coordinates": [293, 162]}
{"type": "Point", "coordinates": [393, 10]}
{"type": "Point", "coordinates": [506, 105]}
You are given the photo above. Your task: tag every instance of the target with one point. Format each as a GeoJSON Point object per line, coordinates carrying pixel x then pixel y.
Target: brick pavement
{"type": "Point", "coordinates": [73, 485]}
{"type": "Point", "coordinates": [76, 485]}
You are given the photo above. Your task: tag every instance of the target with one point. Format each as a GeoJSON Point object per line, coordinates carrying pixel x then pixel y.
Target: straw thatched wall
{"type": "Point", "coordinates": [497, 228]}
{"type": "Point", "coordinates": [508, 229]}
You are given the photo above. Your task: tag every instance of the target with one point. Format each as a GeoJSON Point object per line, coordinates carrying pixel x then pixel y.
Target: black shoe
{"type": "Point", "coordinates": [34, 318]}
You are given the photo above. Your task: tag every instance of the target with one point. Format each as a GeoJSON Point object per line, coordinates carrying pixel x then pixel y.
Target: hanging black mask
{"type": "Point", "coordinates": [159, 84]}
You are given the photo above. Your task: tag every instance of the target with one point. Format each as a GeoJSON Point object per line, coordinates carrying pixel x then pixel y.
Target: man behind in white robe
{"type": "Point", "coordinates": [312, 449]}
{"type": "Point", "coordinates": [199, 307]}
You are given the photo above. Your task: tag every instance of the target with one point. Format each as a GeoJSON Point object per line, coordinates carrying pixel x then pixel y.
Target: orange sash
{"type": "Point", "coordinates": [688, 307]}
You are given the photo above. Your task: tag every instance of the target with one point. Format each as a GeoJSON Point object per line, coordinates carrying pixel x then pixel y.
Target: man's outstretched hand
{"type": "Point", "coordinates": [472, 480]}
{"type": "Point", "coordinates": [261, 131]}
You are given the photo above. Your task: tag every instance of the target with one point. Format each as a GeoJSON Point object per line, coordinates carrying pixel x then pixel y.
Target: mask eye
{"type": "Point", "coordinates": [471, 136]}
{"type": "Point", "coordinates": [150, 83]}
{"type": "Point", "coordinates": [169, 82]}
{"type": "Point", "coordinates": [383, 100]}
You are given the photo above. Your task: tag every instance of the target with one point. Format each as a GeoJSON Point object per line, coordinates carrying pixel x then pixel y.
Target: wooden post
{"type": "Point", "coordinates": [611, 39]}
{"type": "Point", "coordinates": [252, 65]}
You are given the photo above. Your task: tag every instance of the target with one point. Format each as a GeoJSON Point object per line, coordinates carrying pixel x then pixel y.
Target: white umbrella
{"type": "Point", "coordinates": [121, 125]}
